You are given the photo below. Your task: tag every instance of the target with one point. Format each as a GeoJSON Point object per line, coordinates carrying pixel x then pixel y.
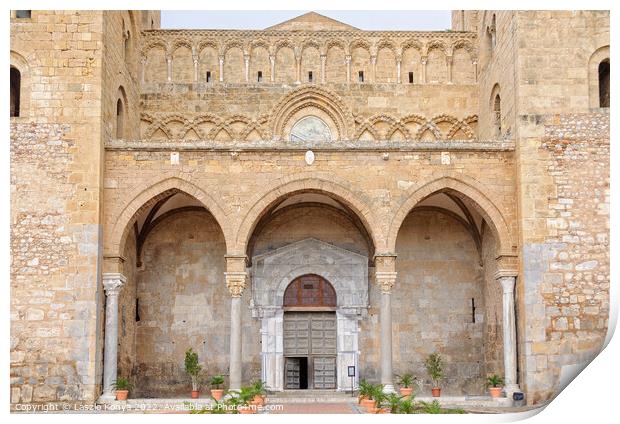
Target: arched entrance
{"type": "Point", "coordinates": [314, 287]}
{"type": "Point", "coordinates": [310, 334]}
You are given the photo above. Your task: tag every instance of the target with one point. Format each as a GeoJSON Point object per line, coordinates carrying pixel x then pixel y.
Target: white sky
{"type": "Point", "coordinates": [410, 20]}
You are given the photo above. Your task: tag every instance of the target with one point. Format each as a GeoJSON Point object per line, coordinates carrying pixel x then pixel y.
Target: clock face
{"type": "Point", "coordinates": [310, 128]}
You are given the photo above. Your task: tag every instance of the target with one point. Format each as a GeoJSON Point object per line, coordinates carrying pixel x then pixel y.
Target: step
{"type": "Point", "coordinates": [311, 396]}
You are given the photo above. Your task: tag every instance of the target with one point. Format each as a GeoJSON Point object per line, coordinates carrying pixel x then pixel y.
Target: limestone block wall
{"type": "Point", "coordinates": [563, 157]}
{"type": "Point", "coordinates": [56, 170]}
{"type": "Point", "coordinates": [439, 273]}
{"type": "Point", "coordinates": [183, 302]}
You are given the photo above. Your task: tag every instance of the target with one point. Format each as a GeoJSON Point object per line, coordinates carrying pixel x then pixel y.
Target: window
{"type": "Point", "coordinates": [119, 118]}
{"type": "Point", "coordinates": [603, 83]}
{"type": "Point", "coordinates": [208, 76]}
{"type": "Point", "coordinates": [497, 112]}
{"type": "Point", "coordinates": [310, 76]}
{"type": "Point", "coordinates": [259, 76]}
{"type": "Point", "coordinates": [23, 14]}
{"type": "Point", "coordinates": [360, 76]}
{"type": "Point", "coordinates": [16, 81]}
{"type": "Point", "coordinates": [410, 77]}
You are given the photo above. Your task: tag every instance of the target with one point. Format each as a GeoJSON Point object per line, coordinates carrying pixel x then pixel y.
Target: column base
{"type": "Point", "coordinates": [510, 389]}
{"type": "Point", "coordinates": [388, 388]}
{"type": "Point", "coordinates": [107, 397]}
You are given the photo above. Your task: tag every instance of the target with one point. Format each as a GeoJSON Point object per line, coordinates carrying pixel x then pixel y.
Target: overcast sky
{"type": "Point", "coordinates": [425, 20]}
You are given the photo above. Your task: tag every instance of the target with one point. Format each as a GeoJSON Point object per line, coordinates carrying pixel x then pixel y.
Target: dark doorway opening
{"type": "Point", "coordinates": [303, 373]}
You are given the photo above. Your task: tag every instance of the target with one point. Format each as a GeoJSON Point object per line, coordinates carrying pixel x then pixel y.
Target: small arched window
{"type": "Point", "coordinates": [603, 83]}
{"type": "Point", "coordinates": [497, 115]}
{"type": "Point", "coordinates": [16, 82]}
{"type": "Point", "coordinates": [120, 117]}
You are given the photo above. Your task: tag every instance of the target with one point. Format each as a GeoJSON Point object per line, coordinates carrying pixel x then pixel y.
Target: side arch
{"type": "Point", "coordinates": [465, 186]}
{"type": "Point", "coordinates": [146, 198]}
{"type": "Point", "coordinates": [262, 203]}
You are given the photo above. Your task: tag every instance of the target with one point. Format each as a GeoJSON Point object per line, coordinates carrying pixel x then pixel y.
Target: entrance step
{"type": "Point", "coordinates": [310, 396]}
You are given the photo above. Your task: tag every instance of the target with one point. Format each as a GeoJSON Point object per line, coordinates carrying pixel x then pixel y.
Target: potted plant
{"type": "Point", "coordinates": [193, 368]}
{"type": "Point", "coordinates": [434, 368]}
{"type": "Point", "coordinates": [216, 382]}
{"type": "Point", "coordinates": [495, 383]}
{"type": "Point", "coordinates": [363, 390]}
{"type": "Point", "coordinates": [391, 403]}
{"type": "Point", "coordinates": [246, 395]}
{"type": "Point", "coordinates": [405, 382]}
{"type": "Point", "coordinates": [122, 386]}
{"type": "Point", "coordinates": [406, 406]}
{"type": "Point", "coordinates": [377, 397]}
{"type": "Point", "coordinates": [260, 392]}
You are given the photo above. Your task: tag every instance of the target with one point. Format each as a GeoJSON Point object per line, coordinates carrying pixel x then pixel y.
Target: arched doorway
{"type": "Point", "coordinates": [309, 334]}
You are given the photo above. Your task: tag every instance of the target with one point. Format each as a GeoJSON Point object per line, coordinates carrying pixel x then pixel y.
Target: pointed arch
{"type": "Point", "coordinates": [311, 97]}
{"type": "Point", "coordinates": [466, 186]}
{"type": "Point", "coordinates": [145, 198]}
{"type": "Point", "coordinates": [263, 202]}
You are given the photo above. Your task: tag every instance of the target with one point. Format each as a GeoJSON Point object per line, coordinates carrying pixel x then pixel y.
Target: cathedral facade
{"type": "Point", "coordinates": [295, 201]}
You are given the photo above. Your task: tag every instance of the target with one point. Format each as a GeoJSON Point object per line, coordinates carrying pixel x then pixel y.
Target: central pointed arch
{"type": "Point", "coordinates": [264, 202]}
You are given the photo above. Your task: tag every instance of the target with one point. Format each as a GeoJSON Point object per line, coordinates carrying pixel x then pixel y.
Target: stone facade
{"type": "Point", "coordinates": [169, 166]}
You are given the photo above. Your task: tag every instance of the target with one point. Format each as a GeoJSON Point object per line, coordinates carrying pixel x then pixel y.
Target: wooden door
{"type": "Point", "coordinates": [292, 373]}
{"type": "Point", "coordinates": [324, 372]}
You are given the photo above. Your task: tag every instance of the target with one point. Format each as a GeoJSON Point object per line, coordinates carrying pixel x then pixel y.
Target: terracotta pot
{"type": "Point", "coordinates": [360, 398]}
{"type": "Point", "coordinates": [495, 392]}
{"type": "Point", "coordinates": [217, 394]}
{"type": "Point", "coordinates": [258, 400]}
{"type": "Point", "coordinates": [384, 411]}
{"type": "Point", "coordinates": [247, 410]}
{"type": "Point", "coordinates": [367, 403]}
{"type": "Point", "coordinates": [436, 391]}
{"type": "Point", "coordinates": [122, 394]}
{"type": "Point", "coordinates": [195, 394]}
{"type": "Point", "coordinates": [406, 391]}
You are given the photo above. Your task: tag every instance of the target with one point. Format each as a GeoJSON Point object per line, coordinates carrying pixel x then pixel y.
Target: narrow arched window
{"type": "Point", "coordinates": [603, 83]}
{"type": "Point", "coordinates": [119, 118]}
{"type": "Point", "coordinates": [16, 81]}
{"type": "Point", "coordinates": [497, 115]}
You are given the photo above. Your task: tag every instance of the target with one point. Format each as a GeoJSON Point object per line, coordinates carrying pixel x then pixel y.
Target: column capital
{"type": "Point", "coordinates": [386, 280]}
{"type": "Point", "coordinates": [385, 262]}
{"type": "Point", "coordinates": [113, 282]}
{"type": "Point", "coordinates": [235, 281]}
{"type": "Point", "coordinates": [508, 283]}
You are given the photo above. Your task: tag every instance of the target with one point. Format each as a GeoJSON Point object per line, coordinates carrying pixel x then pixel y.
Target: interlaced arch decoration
{"type": "Point", "coordinates": [310, 290]}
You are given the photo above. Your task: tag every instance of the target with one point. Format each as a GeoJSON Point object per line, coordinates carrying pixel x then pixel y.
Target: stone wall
{"type": "Point", "coordinates": [56, 170]}
{"type": "Point", "coordinates": [183, 303]}
{"type": "Point", "coordinates": [439, 273]}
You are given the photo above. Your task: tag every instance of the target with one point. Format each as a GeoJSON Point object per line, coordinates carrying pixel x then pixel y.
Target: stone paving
{"type": "Point", "coordinates": [319, 408]}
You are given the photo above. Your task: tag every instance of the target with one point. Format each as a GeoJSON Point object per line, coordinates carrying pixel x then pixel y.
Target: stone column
{"type": "Point", "coordinates": [323, 60]}
{"type": "Point", "coordinates": [449, 65]}
{"type": "Point", "coordinates": [298, 60]}
{"type": "Point", "coordinates": [169, 67]}
{"type": "Point", "coordinates": [398, 62]}
{"type": "Point", "coordinates": [235, 281]}
{"type": "Point", "coordinates": [112, 284]}
{"type": "Point", "coordinates": [272, 60]}
{"type": "Point", "coordinates": [373, 76]}
{"type": "Point", "coordinates": [348, 62]}
{"type": "Point", "coordinates": [221, 60]}
{"type": "Point", "coordinates": [475, 65]}
{"type": "Point", "coordinates": [510, 333]}
{"type": "Point", "coordinates": [385, 277]}
{"type": "Point", "coordinates": [195, 69]}
{"type": "Point", "coordinates": [143, 70]}
{"type": "Point", "coordinates": [424, 60]}
{"type": "Point", "coordinates": [246, 59]}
